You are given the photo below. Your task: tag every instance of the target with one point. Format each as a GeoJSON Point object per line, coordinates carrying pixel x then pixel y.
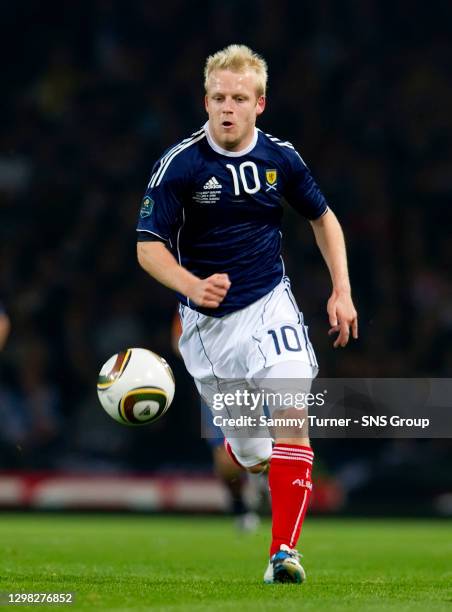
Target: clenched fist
{"type": "Point", "coordinates": [211, 291]}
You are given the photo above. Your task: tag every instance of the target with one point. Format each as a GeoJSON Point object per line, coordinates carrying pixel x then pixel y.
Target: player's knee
{"type": "Point", "coordinates": [293, 423]}
{"type": "Point", "coordinates": [252, 454]}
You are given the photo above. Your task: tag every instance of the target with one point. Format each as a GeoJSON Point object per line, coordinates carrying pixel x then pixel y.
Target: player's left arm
{"type": "Point", "coordinates": [341, 310]}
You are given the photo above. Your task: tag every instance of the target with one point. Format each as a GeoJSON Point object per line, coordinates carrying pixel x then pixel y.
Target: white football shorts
{"type": "Point", "coordinates": [266, 341]}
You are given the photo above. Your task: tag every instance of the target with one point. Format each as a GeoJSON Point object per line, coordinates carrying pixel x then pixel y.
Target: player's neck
{"type": "Point", "coordinates": [219, 149]}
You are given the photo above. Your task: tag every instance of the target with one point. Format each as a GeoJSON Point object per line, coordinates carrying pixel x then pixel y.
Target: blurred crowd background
{"type": "Point", "coordinates": [93, 92]}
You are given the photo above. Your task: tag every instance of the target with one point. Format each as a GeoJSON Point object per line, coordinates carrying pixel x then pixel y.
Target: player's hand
{"type": "Point", "coordinates": [211, 291]}
{"type": "Point", "coordinates": [343, 317]}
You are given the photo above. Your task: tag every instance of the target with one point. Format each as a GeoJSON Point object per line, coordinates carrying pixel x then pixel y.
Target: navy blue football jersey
{"type": "Point", "coordinates": [220, 211]}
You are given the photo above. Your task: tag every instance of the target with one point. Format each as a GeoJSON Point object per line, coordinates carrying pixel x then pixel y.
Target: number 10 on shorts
{"type": "Point", "coordinates": [286, 337]}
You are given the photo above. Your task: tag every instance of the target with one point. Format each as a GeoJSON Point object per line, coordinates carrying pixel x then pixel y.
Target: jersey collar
{"type": "Point", "coordinates": [222, 151]}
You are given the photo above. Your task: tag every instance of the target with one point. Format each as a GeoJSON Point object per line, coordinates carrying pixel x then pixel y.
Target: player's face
{"type": "Point", "coordinates": [233, 105]}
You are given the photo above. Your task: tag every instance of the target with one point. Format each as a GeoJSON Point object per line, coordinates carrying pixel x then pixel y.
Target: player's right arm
{"type": "Point", "coordinates": [159, 263]}
{"type": "Point", "coordinates": [161, 218]}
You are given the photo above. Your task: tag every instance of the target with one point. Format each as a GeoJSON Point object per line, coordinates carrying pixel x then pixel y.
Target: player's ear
{"type": "Point", "coordinates": [206, 103]}
{"type": "Point", "coordinates": [260, 105]}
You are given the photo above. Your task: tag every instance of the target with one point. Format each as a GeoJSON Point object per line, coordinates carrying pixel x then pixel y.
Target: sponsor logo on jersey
{"type": "Point", "coordinates": [212, 183]}
{"type": "Point", "coordinates": [271, 177]}
{"type": "Point", "coordinates": [211, 192]}
{"type": "Point", "coordinates": [146, 207]}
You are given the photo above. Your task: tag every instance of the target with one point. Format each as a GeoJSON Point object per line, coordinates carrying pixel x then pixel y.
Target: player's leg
{"type": "Point", "coordinates": [282, 359]}
{"type": "Point", "coordinates": [235, 480]}
{"type": "Point", "coordinates": [249, 454]}
{"type": "Point", "coordinates": [229, 472]}
{"type": "Point", "coordinates": [290, 472]}
{"type": "Point", "coordinates": [261, 467]}
{"type": "Point", "coordinates": [228, 352]}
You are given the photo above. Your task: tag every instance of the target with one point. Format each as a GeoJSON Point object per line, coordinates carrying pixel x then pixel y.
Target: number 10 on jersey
{"type": "Point", "coordinates": [247, 187]}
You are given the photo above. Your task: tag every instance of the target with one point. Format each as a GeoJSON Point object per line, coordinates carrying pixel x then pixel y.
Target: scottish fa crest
{"type": "Point", "coordinates": [271, 177]}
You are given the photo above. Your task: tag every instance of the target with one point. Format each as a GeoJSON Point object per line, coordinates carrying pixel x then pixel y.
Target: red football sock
{"type": "Point", "coordinates": [290, 486]}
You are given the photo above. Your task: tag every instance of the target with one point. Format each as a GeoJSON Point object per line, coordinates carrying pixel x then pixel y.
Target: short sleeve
{"type": "Point", "coordinates": [302, 192]}
{"type": "Point", "coordinates": [161, 207]}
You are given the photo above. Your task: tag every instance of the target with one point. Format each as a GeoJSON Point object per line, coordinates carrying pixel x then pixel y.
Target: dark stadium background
{"type": "Point", "coordinates": [93, 92]}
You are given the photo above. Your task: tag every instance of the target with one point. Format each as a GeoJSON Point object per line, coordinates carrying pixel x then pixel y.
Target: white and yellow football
{"type": "Point", "coordinates": [135, 386]}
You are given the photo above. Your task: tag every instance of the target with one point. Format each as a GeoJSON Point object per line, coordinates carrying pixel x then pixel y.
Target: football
{"type": "Point", "coordinates": [135, 386]}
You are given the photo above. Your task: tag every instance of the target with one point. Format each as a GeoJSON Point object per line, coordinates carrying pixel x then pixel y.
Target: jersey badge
{"type": "Point", "coordinates": [146, 207]}
{"type": "Point", "coordinates": [271, 177]}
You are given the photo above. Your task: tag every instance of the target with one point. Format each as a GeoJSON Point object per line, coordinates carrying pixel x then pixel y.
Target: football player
{"type": "Point", "coordinates": [209, 228]}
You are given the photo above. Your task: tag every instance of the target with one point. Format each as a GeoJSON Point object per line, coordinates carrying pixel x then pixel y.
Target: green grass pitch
{"type": "Point", "coordinates": [198, 564]}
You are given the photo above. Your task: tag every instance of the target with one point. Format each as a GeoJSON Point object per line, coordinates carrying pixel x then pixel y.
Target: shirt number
{"type": "Point", "coordinates": [235, 177]}
{"type": "Point", "coordinates": [289, 337]}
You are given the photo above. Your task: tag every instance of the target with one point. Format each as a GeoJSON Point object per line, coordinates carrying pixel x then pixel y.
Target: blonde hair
{"type": "Point", "coordinates": [238, 58]}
